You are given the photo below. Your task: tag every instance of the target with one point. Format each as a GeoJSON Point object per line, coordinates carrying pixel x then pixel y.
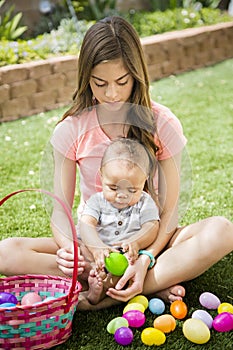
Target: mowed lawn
{"type": "Point", "coordinates": [202, 100]}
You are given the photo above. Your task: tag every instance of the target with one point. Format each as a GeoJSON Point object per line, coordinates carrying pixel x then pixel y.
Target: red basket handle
{"type": "Point", "coordinates": [75, 270]}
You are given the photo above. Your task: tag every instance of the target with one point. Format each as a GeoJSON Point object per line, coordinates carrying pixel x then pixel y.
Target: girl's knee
{"type": "Point", "coordinates": [8, 250]}
{"type": "Point", "coordinates": [8, 245]}
{"type": "Point", "coordinates": [222, 231]}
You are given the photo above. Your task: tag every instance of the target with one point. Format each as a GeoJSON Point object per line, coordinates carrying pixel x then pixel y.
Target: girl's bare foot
{"type": "Point", "coordinates": [96, 287]}
{"type": "Point", "coordinates": [172, 293]}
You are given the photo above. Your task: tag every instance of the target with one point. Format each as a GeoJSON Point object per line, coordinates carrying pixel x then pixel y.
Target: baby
{"type": "Point", "coordinates": [123, 215]}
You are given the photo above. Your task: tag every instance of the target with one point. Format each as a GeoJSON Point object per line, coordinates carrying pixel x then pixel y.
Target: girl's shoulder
{"type": "Point", "coordinates": [163, 114]}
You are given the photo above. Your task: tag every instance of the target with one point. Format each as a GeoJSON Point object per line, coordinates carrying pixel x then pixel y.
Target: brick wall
{"type": "Point", "coordinates": [35, 87]}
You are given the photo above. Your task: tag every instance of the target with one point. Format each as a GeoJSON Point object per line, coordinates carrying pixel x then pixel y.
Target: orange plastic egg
{"type": "Point", "coordinates": [165, 323]}
{"type": "Point", "coordinates": [178, 309]}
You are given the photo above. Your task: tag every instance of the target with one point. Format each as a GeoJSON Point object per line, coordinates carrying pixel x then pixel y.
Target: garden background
{"type": "Point", "coordinates": [202, 100]}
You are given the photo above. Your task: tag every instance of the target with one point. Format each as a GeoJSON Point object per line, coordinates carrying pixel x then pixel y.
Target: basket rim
{"type": "Point", "coordinates": [32, 277]}
{"type": "Point", "coordinates": [73, 229]}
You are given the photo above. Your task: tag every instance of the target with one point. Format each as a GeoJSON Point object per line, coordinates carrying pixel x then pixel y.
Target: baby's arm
{"type": "Point", "coordinates": [141, 240]}
{"type": "Point", "coordinates": [90, 238]}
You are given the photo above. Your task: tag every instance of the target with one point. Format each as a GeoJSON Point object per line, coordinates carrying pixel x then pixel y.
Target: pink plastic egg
{"type": "Point", "coordinates": [135, 318]}
{"type": "Point", "coordinates": [203, 316]}
{"type": "Point", "coordinates": [30, 298]}
{"type": "Point", "coordinates": [123, 336]}
{"type": "Point", "coordinates": [209, 300]}
{"type": "Point", "coordinates": [223, 322]}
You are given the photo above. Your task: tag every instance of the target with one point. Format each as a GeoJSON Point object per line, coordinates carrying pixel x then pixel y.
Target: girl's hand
{"type": "Point", "coordinates": [135, 275]}
{"type": "Point", "coordinates": [65, 261]}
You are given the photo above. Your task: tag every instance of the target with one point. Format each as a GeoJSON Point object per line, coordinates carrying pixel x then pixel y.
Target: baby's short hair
{"type": "Point", "coordinates": [129, 150]}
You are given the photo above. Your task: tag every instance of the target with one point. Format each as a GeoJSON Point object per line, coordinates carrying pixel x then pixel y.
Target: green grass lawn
{"type": "Point", "coordinates": [203, 102]}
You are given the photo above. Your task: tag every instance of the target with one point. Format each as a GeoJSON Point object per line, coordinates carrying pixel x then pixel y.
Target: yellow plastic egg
{"type": "Point", "coordinates": [196, 331]}
{"type": "Point", "coordinates": [141, 299]}
{"type": "Point", "coordinates": [133, 306]}
{"type": "Point", "coordinates": [151, 336]}
{"type": "Point", "coordinates": [225, 307]}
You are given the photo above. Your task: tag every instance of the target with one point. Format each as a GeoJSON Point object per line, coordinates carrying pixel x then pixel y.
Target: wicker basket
{"type": "Point", "coordinates": [48, 323]}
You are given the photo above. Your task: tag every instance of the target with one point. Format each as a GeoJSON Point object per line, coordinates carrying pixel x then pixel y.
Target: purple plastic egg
{"type": "Point", "coordinates": [203, 316]}
{"type": "Point", "coordinates": [123, 336]}
{"type": "Point", "coordinates": [209, 300]}
{"type": "Point", "coordinates": [223, 322]}
{"type": "Point", "coordinates": [7, 298]}
{"type": "Point", "coordinates": [135, 318]}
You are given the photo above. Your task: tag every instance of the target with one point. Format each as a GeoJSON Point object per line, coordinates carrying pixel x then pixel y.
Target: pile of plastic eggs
{"type": "Point", "coordinates": [196, 328]}
{"type": "Point", "coordinates": [9, 300]}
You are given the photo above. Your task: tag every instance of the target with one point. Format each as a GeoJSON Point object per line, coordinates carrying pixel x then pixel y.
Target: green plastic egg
{"type": "Point", "coordinates": [116, 264]}
{"type": "Point", "coordinates": [116, 323]}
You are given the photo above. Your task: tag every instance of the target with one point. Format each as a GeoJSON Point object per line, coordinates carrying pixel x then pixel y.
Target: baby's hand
{"type": "Point", "coordinates": [99, 255]}
{"type": "Point", "coordinates": [131, 248]}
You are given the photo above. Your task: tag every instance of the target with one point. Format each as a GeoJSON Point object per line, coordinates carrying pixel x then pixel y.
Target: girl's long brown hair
{"type": "Point", "coordinates": [109, 39]}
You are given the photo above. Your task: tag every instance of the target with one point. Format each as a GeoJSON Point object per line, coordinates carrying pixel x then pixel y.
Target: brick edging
{"type": "Point", "coordinates": [30, 88]}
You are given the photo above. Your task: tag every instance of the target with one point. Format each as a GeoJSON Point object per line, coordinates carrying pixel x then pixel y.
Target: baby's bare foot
{"type": "Point", "coordinates": [171, 294]}
{"type": "Point", "coordinates": [96, 287]}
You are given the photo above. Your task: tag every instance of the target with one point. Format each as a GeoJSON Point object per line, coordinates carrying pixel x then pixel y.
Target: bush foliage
{"type": "Point", "coordinates": [67, 38]}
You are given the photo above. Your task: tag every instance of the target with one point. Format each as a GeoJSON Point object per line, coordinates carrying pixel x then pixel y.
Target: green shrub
{"type": "Point", "coordinates": [67, 38]}
{"type": "Point", "coordinates": [158, 22]}
{"type": "Point", "coordinates": [9, 26]}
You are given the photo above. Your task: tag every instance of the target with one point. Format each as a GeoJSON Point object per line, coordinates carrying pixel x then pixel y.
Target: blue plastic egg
{"type": "Point", "coordinates": [7, 305]}
{"type": "Point", "coordinates": [156, 306]}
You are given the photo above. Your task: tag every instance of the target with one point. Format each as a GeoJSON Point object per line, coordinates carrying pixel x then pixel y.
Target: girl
{"type": "Point", "coordinates": [112, 99]}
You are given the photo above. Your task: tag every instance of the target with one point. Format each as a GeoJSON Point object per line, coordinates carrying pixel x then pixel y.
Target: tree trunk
{"type": "Point", "coordinates": [223, 4]}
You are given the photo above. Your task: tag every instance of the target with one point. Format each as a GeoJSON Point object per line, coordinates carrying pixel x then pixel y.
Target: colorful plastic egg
{"type": "Point", "coordinates": [123, 336]}
{"type": "Point", "coordinates": [203, 316]}
{"type": "Point", "coordinates": [7, 305]}
{"type": "Point", "coordinates": [151, 336]}
{"type": "Point", "coordinates": [156, 306]}
{"type": "Point", "coordinates": [116, 323]}
{"type": "Point", "coordinates": [165, 323]}
{"type": "Point", "coordinates": [31, 298]}
{"type": "Point", "coordinates": [116, 263]}
{"type": "Point", "coordinates": [178, 309]}
{"type": "Point", "coordinates": [196, 331]}
{"type": "Point", "coordinates": [48, 299]}
{"type": "Point", "coordinates": [225, 307]}
{"type": "Point", "coordinates": [141, 299]}
{"type": "Point", "coordinates": [6, 297]}
{"type": "Point", "coordinates": [135, 318]}
{"type": "Point", "coordinates": [209, 300]}
{"type": "Point", "coordinates": [133, 306]}
{"type": "Point", "coordinates": [223, 322]}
